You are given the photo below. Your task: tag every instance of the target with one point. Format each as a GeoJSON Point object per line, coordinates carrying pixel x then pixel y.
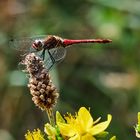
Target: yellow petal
{"type": "Point", "coordinates": [76, 137]}
{"type": "Point", "coordinates": [97, 120]}
{"type": "Point", "coordinates": [137, 134]}
{"type": "Point", "coordinates": [87, 137]}
{"type": "Point", "coordinates": [35, 135]}
{"type": "Point", "coordinates": [28, 136]}
{"type": "Point", "coordinates": [139, 118]}
{"type": "Point", "coordinates": [84, 118]}
{"type": "Point", "coordinates": [49, 130]}
{"type": "Point", "coordinates": [59, 118]}
{"type": "Point", "coordinates": [101, 126]}
{"type": "Point", "coordinates": [66, 129]}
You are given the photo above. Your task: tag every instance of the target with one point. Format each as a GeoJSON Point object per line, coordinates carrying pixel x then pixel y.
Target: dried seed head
{"type": "Point", "coordinates": [44, 93]}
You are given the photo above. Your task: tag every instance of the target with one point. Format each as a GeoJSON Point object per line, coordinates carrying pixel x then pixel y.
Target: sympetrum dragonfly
{"type": "Point", "coordinates": [54, 46]}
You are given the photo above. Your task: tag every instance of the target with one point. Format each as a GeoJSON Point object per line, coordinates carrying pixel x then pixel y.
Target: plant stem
{"type": "Point", "coordinates": [51, 116]}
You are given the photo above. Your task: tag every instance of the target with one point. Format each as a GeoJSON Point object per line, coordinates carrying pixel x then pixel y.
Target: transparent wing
{"type": "Point", "coordinates": [58, 54]}
{"type": "Point", "coordinates": [24, 44]}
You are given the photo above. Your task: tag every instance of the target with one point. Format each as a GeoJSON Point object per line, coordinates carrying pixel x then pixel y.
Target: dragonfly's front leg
{"type": "Point", "coordinates": [43, 54]}
{"type": "Point", "coordinates": [52, 58]}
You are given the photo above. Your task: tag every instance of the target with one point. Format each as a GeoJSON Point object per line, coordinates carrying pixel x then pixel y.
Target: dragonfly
{"type": "Point", "coordinates": [51, 48]}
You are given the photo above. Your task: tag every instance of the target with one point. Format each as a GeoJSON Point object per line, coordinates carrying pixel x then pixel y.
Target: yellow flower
{"type": "Point", "coordinates": [81, 126]}
{"type": "Point", "coordinates": [35, 135]}
{"type": "Point", "coordinates": [50, 131]}
{"type": "Point", "coordinates": [137, 128]}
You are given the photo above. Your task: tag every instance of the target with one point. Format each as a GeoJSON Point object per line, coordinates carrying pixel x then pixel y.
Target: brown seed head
{"type": "Point", "coordinates": [44, 93]}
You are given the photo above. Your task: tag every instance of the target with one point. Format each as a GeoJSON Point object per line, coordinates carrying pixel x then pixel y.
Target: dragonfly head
{"type": "Point", "coordinates": [38, 45]}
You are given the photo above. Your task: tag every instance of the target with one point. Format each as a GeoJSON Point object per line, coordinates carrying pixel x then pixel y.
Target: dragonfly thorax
{"type": "Point", "coordinates": [53, 41]}
{"type": "Point", "coordinates": [38, 45]}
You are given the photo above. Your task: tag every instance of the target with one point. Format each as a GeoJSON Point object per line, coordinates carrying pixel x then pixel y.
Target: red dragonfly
{"type": "Point", "coordinates": [55, 46]}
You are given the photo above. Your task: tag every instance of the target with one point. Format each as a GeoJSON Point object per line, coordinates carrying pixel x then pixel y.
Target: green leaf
{"type": "Point", "coordinates": [113, 138]}
{"type": "Point", "coordinates": [102, 134]}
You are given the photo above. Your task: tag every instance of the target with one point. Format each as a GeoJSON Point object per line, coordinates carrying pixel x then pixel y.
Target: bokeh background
{"type": "Point", "coordinates": [105, 78]}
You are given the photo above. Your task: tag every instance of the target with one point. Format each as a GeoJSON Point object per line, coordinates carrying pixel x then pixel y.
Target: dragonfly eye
{"type": "Point", "coordinates": [38, 45]}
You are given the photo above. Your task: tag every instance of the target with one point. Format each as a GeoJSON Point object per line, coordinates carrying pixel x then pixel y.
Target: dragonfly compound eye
{"type": "Point", "coordinates": [38, 45]}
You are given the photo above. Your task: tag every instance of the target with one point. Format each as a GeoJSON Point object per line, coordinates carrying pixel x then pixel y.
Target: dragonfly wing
{"type": "Point", "coordinates": [57, 55]}
{"type": "Point", "coordinates": [24, 44]}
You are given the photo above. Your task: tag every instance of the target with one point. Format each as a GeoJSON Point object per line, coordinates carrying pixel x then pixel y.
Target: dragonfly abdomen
{"type": "Point", "coordinates": [68, 42]}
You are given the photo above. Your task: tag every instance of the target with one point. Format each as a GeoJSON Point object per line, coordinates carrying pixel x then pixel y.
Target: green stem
{"type": "Point", "coordinates": [51, 116]}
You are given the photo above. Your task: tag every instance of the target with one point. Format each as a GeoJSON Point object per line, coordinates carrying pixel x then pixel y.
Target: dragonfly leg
{"type": "Point", "coordinates": [43, 54]}
{"type": "Point", "coordinates": [52, 58]}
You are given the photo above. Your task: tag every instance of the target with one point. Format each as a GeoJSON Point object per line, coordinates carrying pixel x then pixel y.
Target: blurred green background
{"type": "Point", "coordinates": [104, 77]}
